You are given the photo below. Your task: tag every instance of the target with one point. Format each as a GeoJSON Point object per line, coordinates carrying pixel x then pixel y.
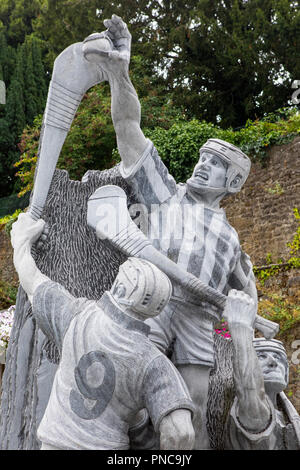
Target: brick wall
{"type": "Point", "coordinates": [262, 213]}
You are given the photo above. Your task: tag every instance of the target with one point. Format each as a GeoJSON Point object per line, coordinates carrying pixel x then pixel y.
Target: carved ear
{"type": "Point", "coordinates": [236, 181]}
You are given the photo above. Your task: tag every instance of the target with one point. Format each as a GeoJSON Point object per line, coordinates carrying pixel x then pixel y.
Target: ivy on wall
{"type": "Point", "coordinates": [263, 273]}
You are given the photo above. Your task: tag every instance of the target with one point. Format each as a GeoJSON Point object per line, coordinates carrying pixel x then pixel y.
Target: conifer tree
{"type": "Point", "coordinates": [30, 88]}
{"type": "Point", "coordinates": [15, 106]}
{"type": "Point", "coordinates": [39, 75]}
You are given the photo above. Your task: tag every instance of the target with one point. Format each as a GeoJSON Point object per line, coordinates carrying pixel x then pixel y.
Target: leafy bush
{"type": "Point", "coordinates": [179, 145]}
{"type": "Point", "coordinates": [8, 220]}
{"type": "Point", "coordinates": [91, 142]}
{"type": "Point", "coordinates": [281, 310]}
{"type": "Point", "coordinates": [88, 145]}
{"type": "Point", "coordinates": [293, 262]}
{"type": "Point", "coordinates": [8, 295]}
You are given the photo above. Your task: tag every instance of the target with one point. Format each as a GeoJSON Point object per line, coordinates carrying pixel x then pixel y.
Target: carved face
{"type": "Point", "coordinates": [274, 368]}
{"type": "Point", "coordinates": [210, 171]}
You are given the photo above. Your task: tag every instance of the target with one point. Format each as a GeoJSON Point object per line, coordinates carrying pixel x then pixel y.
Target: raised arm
{"type": "Point", "coordinates": [253, 409]}
{"type": "Point", "coordinates": [125, 105]}
{"type": "Point", "coordinates": [24, 233]}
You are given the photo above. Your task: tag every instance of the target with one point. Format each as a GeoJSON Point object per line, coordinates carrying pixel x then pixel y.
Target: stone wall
{"type": "Point", "coordinates": [262, 213]}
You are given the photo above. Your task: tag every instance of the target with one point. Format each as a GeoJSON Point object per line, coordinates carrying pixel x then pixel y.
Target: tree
{"type": "Point", "coordinates": [15, 106]}
{"type": "Point", "coordinates": [25, 79]}
{"type": "Point", "coordinates": [16, 18]}
{"type": "Point", "coordinates": [237, 59]}
{"type": "Point", "coordinates": [223, 61]}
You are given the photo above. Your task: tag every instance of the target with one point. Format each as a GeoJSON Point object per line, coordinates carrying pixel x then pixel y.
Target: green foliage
{"type": "Point", "coordinates": [179, 145]}
{"type": "Point", "coordinates": [295, 244]}
{"type": "Point", "coordinates": [224, 62]}
{"type": "Point", "coordinates": [16, 18]}
{"type": "Point", "coordinates": [231, 65]}
{"type": "Point", "coordinates": [280, 310]}
{"type": "Point", "coordinates": [8, 295]}
{"type": "Point", "coordinates": [91, 140]}
{"type": "Point", "coordinates": [293, 262]}
{"type": "Point", "coordinates": [88, 145]}
{"type": "Point", "coordinates": [10, 204]}
{"type": "Point", "coordinates": [8, 220]}
{"type": "Point", "coordinates": [275, 189]}
{"type": "Point", "coordinates": [26, 96]}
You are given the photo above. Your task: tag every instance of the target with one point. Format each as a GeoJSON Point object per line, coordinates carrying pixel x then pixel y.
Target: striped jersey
{"type": "Point", "coordinates": [196, 237]}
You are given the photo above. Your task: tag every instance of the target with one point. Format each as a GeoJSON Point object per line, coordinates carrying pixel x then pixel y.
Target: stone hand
{"type": "Point", "coordinates": [120, 36]}
{"type": "Point", "coordinates": [240, 309]}
{"type": "Point", "coordinates": [26, 231]}
{"type": "Point", "coordinates": [111, 48]}
{"type": "Point", "coordinates": [41, 243]}
{"type": "Point", "coordinates": [176, 431]}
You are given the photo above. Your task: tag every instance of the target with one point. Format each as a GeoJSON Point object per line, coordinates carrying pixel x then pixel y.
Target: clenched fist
{"type": "Point", "coordinates": [240, 309]}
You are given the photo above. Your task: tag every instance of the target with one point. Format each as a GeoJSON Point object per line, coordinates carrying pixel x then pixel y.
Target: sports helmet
{"type": "Point", "coordinates": [142, 287]}
{"type": "Point", "coordinates": [274, 345]}
{"type": "Point", "coordinates": [237, 161]}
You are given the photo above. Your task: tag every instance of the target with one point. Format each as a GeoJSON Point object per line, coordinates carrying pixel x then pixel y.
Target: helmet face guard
{"type": "Point", "coordinates": [238, 163]}
{"type": "Point", "coordinates": [142, 287]}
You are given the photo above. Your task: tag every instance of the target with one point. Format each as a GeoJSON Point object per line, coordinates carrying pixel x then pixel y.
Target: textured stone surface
{"type": "Point", "coordinates": [262, 213]}
{"type": "Point", "coordinates": [74, 257]}
{"type": "Point", "coordinates": [86, 266]}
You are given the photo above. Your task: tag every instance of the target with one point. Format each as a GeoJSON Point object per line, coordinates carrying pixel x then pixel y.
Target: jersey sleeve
{"type": "Point", "coordinates": [54, 308]}
{"type": "Point", "coordinates": [239, 438]}
{"type": "Point", "coordinates": [164, 390]}
{"type": "Point", "coordinates": [242, 273]}
{"type": "Point", "coordinates": [150, 178]}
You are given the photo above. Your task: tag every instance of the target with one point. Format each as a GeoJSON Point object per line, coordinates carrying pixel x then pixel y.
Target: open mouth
{"type": "Point", "coordinates": [202, 175]}
{"type": "Point", "coordinates": [270, 371]}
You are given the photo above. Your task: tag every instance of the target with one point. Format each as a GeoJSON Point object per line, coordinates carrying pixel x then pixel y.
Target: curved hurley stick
{"type": "Point", "coordinates": [108, 215]}
{"type": "Point", "coordinates": [72, 76]}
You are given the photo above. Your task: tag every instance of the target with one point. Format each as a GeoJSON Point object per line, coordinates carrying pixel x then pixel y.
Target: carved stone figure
{"type": "Point", "coordinates": [261, 417]}
{"type": "Point", "coordinates": [86, 266]}
{"type": "Point", "coordinates": [109, 369]}
{"type": "Point", "coordinates": [207, 246]}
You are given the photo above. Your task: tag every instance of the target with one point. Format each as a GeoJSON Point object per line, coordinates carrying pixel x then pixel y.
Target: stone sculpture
{"type": "Point", "coordinates": [86, 266]}
{"type": "Point", "coordinates": [109, 370]}
{"type": "Point", "coordinates": [261, 417]}
{"type": "Point", "coordinates": [206, 246]}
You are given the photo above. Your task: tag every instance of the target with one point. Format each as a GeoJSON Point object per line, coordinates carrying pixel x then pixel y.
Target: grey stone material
{"type": "Point", "coordinates": [31, 358]}
{"type": "Point", "coordinates": [85, 266]}
{"type": "Point", "coordinates": [72, 76]}
{"type": "Point", "coordinates": [90, 408]}
{"type": "Point", "coordinates": [261, 417]}
{"type": "Point", "coordinates": [102, 340]}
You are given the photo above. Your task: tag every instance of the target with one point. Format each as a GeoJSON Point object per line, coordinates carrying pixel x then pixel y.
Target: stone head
{"type": "Point", "coordinates": [274, 364]}
{"type": "Point", "coordinates": [142, 288]}
{"type": "Point", "coordinates": [222, 167]}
